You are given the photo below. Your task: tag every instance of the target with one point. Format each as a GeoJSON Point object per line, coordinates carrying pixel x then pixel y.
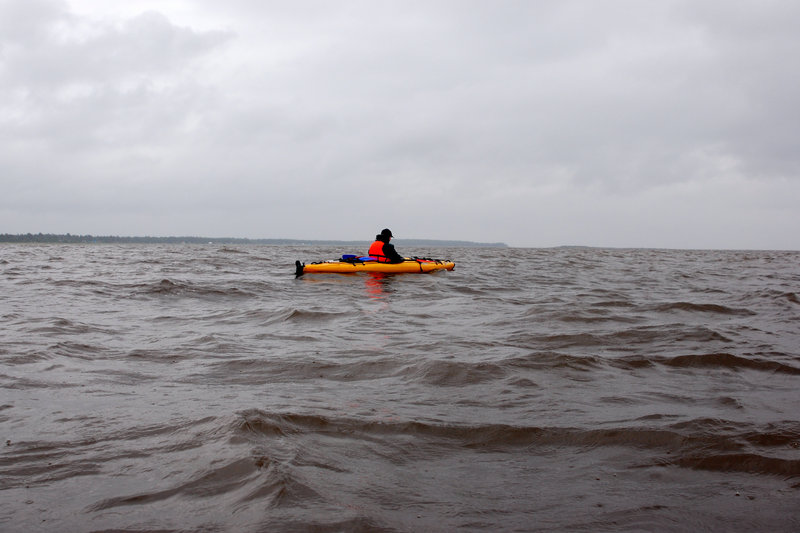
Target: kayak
{"type": "Point", "coordinates": [350, 264]}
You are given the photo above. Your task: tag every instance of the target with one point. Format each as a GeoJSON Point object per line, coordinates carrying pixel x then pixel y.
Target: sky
{"type": "Point", "coordinates": [619, 123]}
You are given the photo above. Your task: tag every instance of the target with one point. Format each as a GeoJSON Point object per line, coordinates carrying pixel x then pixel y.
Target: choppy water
{"type": "Point", "coordinates": [204, 388]}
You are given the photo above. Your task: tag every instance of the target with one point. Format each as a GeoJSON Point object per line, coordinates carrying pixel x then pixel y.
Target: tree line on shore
{"type": "Point", "coordinates": [90, 239]}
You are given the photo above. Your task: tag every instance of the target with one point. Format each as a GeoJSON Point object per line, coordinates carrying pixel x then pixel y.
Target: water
{"type": "Point", "coordinates": [204, 388]}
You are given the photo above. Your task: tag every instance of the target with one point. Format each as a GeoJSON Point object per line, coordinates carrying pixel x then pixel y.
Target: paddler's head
{"type": "Point", "coordinates": [386, 234]}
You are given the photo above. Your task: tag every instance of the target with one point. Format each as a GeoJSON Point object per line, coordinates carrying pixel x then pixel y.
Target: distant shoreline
{"type": "Point", "coordinates": [113, 239]}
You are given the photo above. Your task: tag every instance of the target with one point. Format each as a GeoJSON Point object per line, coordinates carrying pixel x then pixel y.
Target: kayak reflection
{"type": "Point", "coordinates": [377, 284]}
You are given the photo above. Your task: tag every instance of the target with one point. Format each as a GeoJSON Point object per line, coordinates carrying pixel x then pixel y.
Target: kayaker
{"type": "Point", "coordinates": [382, 250]}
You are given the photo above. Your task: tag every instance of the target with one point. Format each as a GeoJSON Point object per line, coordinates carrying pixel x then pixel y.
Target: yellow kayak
{"type": "Point", "coordinates": [410, 266]}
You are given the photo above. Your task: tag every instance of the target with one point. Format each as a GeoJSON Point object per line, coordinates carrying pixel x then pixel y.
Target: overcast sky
{"type": "Point", "coordinates": [669, 124]}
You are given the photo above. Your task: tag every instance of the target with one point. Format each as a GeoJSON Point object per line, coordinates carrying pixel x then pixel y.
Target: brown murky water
{"type": "Point", "coordinates": [204, 388]}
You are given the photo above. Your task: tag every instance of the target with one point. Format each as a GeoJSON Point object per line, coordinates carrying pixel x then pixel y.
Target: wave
{"type": "Point", "coordinates": [301, 315]}
{"type": "Point", "coordinates": [730, 362]}
{"type": "Point", "coordinates": [623, 339]}
{"type": "Point", "coordinates": [285, 451]}
{"type": "Point", "coordinates": [280, 370]}
{"type": "Point", "coordinates": [160, 356]}
{"type": "Point", "coordinates": [229, 250]}
{"type": "Point", "coordinates": [721, 360]}
{"type": "Point", "coordinates": [26, 383]}
{"type": "Point", "coordinates": [275, 485]}
{"type": "Point", "coordinates": [62, 326]}
{"type": "Point", "coordinates": [75, 350]}
{"type": "Point", "coordinates": [453, 373]}
{"type": "Point", "coordinates": [697, 444]}
{"type": "Point", "coordinates": [178, 288]}
{"type": "Point", "coordinates": [214, 482]}
{"type": "Point", "coordinates": [363, 365]}
{"type": "Point", "coordinates": [704, 308]}
{"type": "Point", "coordinates": [741, 462]}
{"type": "Point", "coordinates": [554, 360]}
{"type": "Point", "coordinates": [259, 423]}
{"type": "Point", "coordinates": [40, 462]}
{"type": "Point", "coordinates": [598, 317]}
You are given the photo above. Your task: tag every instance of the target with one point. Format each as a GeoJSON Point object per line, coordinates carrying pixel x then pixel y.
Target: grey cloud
{"type": "Point", "coordinates": [84, 90]}
{"type": "Point", "coordinates": [26, 22]}
{"type": "Point", "coordinates": [561, 88]}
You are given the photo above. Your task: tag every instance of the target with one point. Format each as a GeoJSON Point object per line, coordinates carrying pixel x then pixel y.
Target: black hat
{"type": "Point", "coordinates": [386, 233]}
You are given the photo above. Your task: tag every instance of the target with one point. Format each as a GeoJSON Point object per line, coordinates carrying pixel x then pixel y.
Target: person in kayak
{"type": "Point", "coordinates": [382, 250]}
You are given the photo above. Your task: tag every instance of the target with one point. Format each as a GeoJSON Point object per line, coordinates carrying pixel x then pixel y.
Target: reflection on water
{"type": "Point", "coordinates": [377, 284]}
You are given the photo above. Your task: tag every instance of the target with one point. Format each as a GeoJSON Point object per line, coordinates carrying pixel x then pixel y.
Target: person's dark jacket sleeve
{"type": "Point", "coordinates": [391, 254]}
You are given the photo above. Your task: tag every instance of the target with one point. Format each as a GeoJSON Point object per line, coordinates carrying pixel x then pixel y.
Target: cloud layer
{"type": "Point", "coordinates": [536, 123]}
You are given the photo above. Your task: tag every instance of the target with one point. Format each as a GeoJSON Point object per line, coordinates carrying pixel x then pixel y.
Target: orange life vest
{"type": "Point", "coordinates": [376, 251]}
